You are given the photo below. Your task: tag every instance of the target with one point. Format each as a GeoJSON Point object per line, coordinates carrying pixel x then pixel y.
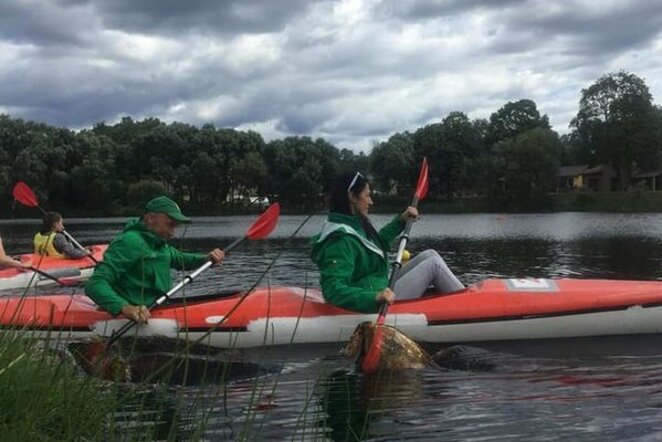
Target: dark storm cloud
{"type": "Point", "coordinates": [412, 10]}
{"type": "Point", "coordinates": [594, 29]}
{"type": "Point", "coordinates": [43, 24]}
{"type": "Point", "coordinates": [171, 17]}
{"type": "Point", "coordinates": [597, 28]}
{"type": "Point", "coordinates": [353, 72]}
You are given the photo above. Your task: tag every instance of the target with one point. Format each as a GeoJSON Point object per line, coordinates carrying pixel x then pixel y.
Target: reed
{"type": "Point", "coordinates": [44, 397]}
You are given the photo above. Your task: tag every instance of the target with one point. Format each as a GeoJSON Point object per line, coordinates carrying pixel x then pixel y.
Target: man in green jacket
{"type": "Point", "coordinates": [135, 269]}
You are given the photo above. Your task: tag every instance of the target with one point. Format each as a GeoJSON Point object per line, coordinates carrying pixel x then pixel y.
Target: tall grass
{"type": "Point", "coordinates": [44, 397]}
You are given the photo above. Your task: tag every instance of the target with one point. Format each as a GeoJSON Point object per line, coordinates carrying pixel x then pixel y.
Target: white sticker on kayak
{"type": "Point", "coordinates": [214, 319]}
{"type": "Point", "coordinates": [531, 285]}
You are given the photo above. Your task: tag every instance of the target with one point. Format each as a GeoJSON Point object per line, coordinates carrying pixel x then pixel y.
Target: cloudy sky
{"type": "Point", "coordinates": [353, 72]}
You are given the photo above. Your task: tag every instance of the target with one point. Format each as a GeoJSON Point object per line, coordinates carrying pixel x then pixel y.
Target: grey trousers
{"type": "Point", "coordinates": [425, 269]}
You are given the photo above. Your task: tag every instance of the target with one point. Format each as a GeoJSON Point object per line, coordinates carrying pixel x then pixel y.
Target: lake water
{"type": "Point", "coordinates": [580, 390]}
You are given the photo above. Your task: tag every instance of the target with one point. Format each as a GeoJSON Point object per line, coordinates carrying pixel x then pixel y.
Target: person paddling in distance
{"type": "Point", "coordinates": [9, 262]}
{"type": "Point", "coordinates": [352, 255]}
{"type": "Point", "coordinates": [135, 270]}
{"type": "Point", "coordinates": [50, 241]}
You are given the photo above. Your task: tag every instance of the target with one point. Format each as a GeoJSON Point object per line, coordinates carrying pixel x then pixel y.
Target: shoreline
{"type": "Point", "coordinates": [634, 201]}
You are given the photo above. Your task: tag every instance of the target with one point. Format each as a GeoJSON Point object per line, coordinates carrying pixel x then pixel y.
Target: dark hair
{"type": "Point", "coordinates": [339, 199]}
{"type": "Point", "coordinates": [49, 219]}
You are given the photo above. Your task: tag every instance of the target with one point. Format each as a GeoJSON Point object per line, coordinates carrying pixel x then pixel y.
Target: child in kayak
{"type": "Point", "coordinates": [50, 241]}
{"type": "Point", "coordinates": [352, 255]}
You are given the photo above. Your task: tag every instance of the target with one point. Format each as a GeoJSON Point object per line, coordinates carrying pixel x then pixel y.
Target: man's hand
{"type": "Point", "coordinates": [137, 313]}
{"type": "Point", "coordinates": [216, 256]}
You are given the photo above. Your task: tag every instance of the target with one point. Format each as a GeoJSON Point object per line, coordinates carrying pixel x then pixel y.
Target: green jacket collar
{"type": "Point", "coordinates": [350, 225]}
{"type": "Point", "coordinates": [150, 237]}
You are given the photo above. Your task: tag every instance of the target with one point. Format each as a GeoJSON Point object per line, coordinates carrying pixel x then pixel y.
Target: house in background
{"type": "Point", "coordinates": [648, 180]}
{"type": "Point", "coordinates": [602, 178]}
{"type": "Point", "coordinates": [569, 178]}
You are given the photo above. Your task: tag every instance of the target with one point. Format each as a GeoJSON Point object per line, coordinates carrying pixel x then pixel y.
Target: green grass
{"type": "Point", "coordinates": [44, 397]}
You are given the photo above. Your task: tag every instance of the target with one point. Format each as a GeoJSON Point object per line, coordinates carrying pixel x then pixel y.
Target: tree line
{"type": "Point", "coordinates": [510, 159]}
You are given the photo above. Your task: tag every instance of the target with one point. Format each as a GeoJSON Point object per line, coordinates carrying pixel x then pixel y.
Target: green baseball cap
{"type": "Point", "coordinates": [163, 204]}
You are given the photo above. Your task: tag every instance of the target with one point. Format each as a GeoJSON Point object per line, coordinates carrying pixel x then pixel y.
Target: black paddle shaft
{"type": "Point", "coordinates": [397, 264]}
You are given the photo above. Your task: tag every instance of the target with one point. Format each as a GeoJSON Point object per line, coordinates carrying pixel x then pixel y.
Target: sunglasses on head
{"type": "Point", "coordinates": [353, 182]}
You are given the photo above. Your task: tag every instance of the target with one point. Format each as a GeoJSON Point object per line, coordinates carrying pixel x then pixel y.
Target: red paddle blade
{"type": "Point", "coordinates": [371, 359]}
{"type": "Point", "coordinates": [24, 195]}
{"type": "Point", "coordinates": [422, 186]}
{"type": "Point", "coordinates": [265, 224]}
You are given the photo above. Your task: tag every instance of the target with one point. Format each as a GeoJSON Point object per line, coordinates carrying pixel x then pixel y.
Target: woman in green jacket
{"type": "Point", "coordinates": [352, 255]}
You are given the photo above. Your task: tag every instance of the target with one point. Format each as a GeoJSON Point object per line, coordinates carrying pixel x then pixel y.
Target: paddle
{"type": "Point", "coordinates": [61, 273]}
{"type": "Point", "coordinates": [260, 229]}
{"type": "Point", "coordinates": [24, 195]}
{"type": "Point", "coordinates": [371, 360]}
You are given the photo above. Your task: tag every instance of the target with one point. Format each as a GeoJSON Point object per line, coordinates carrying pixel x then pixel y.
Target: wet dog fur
{"type": "Point", "coordinates": [400, 352]}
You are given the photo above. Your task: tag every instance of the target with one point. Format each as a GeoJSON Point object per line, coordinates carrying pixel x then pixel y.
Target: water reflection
{"type": "Point", "coordinates": [160, 360]}
{"type": "Point", "coordinates": [355, 407]}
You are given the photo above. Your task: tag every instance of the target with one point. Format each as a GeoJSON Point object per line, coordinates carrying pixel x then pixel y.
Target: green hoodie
{"type": "Point", "coordinates": [353, 268]}
{"type": "Point", "coordinates": [136, 269]}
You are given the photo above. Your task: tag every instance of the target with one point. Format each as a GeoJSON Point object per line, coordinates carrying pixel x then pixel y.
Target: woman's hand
{"type": "Point", "coordinates": [410, 213]}
{"type": "Point", "coordinates": [386, 295]}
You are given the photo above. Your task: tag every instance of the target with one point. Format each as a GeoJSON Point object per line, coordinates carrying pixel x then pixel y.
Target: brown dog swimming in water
{"type": "Point", "coordinates": [402, 353]}
{"type": "Point", "coordinates": [398, 351]}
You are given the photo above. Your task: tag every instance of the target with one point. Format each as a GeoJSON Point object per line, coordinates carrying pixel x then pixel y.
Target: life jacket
{"type": "Point", "coordinates": [43, 245]}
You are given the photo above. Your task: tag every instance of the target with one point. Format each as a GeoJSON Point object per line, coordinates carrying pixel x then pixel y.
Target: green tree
{"type": "Point", "coordinates": [250, 174]}
{"type": "Point", "coordinates": [225, 149]}
{"type": "Point", "coordinates": [349, 161]}
{"type": "Point", "coordinates": [452, 148]}
{"type": "Point", "coordinates": [393, 164]}
{"type": "Point", "coordinates": [140, 192]}
{"type": "Point", "coordinates": [524, 168]}
{"type": "Point", "coordinates": [127, 130]}
{"type": "Point", "coordinates": [45, 161]}
{"type": "Point", "coordinates": [618, 125]}
{"type": "Point", "coordinates": [300, 170]}
{"type": "Point", "coordinates": [94, 181]}
{"type": "Point", "coordinates": [514, 118]}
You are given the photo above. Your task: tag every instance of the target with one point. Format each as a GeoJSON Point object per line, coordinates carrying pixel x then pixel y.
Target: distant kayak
{"type": "Point", "coordinates": [60, 268]}
{"type": "Point", "coordinates": [495, 309]}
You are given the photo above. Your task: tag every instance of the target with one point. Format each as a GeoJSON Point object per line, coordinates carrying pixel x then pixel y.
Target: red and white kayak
{"type": "Point", "coordinates": [59, 268]}
{"type": "Point", "coordinates": [495, 309]}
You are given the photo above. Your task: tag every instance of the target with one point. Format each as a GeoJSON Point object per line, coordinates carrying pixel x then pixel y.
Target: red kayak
{"type": "Point", "coordinates": [59, 268]}
{"type": "Point", "coordinates": [495, 309]}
